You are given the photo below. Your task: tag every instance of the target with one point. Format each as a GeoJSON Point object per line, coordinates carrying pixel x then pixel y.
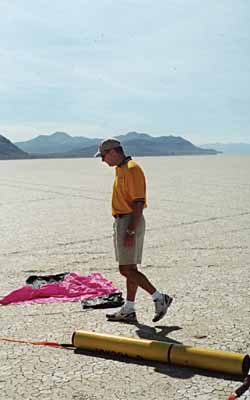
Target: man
{"type": "Point", "coordinates": [128, 202]}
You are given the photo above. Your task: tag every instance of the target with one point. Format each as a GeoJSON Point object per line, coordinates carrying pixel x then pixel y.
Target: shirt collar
{"type": "Point", "coordinates": [125, 161]}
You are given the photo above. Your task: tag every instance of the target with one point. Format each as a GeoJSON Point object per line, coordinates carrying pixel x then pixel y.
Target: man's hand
{"type": "Point", "coordinates": [129, 240]}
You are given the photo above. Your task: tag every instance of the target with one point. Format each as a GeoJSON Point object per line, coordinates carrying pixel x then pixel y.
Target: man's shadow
{"type": "Point", "coordinates": [159, 332]}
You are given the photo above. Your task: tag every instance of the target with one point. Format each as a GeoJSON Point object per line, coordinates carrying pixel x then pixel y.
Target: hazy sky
{"type": "Point", "coordinates": [99, 68]}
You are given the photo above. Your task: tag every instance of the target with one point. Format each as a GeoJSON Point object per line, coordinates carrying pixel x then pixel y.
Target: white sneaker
{"type": "Point", "coordinates": [122, 316]}
{"type": "Point", "coordinates": [161, 307]}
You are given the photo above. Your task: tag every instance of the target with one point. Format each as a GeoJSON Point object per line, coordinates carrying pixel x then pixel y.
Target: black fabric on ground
{"type": "Point", "coordinates": [37, 281]}
{"type": "Point", "coordinates": [107, 301]}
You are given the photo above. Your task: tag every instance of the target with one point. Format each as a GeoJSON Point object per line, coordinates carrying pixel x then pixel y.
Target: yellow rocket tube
{"type": "Point", "coordinates": [143, 348]}
{"type": "Point", "coordinates": [215, 360]}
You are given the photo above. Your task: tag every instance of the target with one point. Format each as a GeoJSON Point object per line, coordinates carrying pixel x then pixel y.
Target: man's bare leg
{"type": "Point", "coordinates": [135, 279]}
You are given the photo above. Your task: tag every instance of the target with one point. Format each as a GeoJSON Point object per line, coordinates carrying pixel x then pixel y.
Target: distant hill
{"type": "Point", "coordinates": [229, 148]}
{"type": "Point", "coordinates": [62, 145]}
{"type": "Point", "coordinates": [58, 142]}
{"type": "Point", "coordinates": [142, 144]}
{"type": "Point", "coordinates": [8, 151]}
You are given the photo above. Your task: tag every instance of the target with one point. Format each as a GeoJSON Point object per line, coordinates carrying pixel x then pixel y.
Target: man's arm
{"type": "Point", "coordinates": [135, 217]}
{"type": "Point", "coordinates": [136, 214]}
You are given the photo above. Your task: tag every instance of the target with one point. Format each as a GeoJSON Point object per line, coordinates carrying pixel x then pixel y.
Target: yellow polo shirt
{"type": "Point", "coordinates": [129, 185]}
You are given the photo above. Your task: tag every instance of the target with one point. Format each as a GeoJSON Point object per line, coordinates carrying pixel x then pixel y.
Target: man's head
{"type": "Point", "coordinates": [110, 151]}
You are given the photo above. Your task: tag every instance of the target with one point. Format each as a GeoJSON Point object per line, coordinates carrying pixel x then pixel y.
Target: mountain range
{"type": "Point", "coordinates": [137, 144]}
{"type": "Point", "coordinates": [62, 145]}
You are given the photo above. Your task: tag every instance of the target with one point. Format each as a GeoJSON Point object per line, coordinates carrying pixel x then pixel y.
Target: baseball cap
{"type": "Point", "coordinates": [106, 145]}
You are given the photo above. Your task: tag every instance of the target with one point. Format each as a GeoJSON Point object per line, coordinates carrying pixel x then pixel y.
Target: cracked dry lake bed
{"type": "Point", "coordinates": [55, 217]}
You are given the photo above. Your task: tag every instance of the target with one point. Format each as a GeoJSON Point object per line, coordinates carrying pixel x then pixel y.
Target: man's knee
{"type": "Point", "coordinates": [127, 270]}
